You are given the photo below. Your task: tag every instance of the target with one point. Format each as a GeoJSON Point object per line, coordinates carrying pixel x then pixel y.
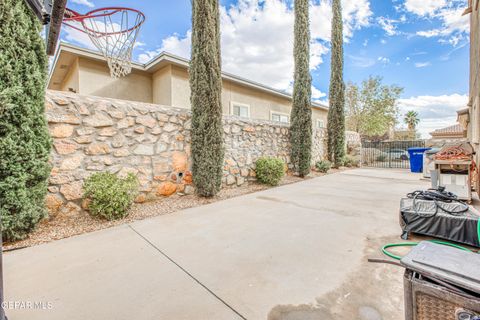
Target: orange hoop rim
{"type": "Point", "coordinates": [71, 15]}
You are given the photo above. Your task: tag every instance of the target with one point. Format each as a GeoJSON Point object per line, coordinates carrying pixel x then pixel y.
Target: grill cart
{"type": "Point", "coordinates": [441, 283]}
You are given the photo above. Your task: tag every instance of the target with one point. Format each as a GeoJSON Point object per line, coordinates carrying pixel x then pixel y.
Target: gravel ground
{"type": "Point", "coordinates": [64, 227]}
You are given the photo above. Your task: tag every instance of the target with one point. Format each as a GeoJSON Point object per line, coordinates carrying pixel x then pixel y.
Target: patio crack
{"type": "Point", "coordinates": [188, 274]}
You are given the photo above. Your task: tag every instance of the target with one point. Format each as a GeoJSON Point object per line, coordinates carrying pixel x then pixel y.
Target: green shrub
{"type": "Point", "coordinates": [206, 98]}
{"type": "Point", "coordinates": [323, 166]}
{"type": "Point", "coordinates": [24, 140]}
{"type": "Point", "coordinates": [110, 196]}
{"type": "Point", "coordinates": [350, 161]}
{"type": "Point", "coordinates": [269, 170]}
{"type": "Point", "coordinates": [381, 158]}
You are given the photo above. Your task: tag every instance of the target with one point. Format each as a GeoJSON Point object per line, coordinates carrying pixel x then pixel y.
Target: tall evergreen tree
{"type": "Point", "coordinates": [301, 114]}
{"type": "Point", "coordinates": [206, 89]}
{"type": "Point", "coordinates": [336, 113]}
{"type": "Point", "coordinates": [24, 140]}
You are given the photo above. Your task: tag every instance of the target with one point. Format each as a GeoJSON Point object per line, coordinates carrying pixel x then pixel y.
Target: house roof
{"type": "Point", "coordinates": [455, 130]}
{"type": "Point", "coordinates": [159, 62]}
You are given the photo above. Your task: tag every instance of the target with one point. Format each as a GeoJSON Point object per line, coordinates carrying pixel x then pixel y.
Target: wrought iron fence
{"type": "Point", "coordinates": [388, 154]}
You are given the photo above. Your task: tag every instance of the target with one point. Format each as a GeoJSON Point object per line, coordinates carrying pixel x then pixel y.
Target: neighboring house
{"type": "Point", "coordinates": [473, 118]}
{"type": "Point", "coordinates": [164, 80]}
{"type": "Point", "coordinates": [450, 133]}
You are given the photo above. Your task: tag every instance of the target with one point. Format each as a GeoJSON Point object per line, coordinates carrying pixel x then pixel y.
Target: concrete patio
{"type": "Point", "coordinates": [293, 252]}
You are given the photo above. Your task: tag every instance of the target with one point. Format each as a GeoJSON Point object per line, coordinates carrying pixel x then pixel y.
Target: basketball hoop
{"type": "Point", "coordinates": [113, 31]}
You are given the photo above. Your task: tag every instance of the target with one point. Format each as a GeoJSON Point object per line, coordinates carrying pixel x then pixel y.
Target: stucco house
{"type": "Point", "coordinates": [452, 133]}
{"type": "Point", "coordinates": [164, 80]}
{"type": "Point", "coordinates": [472, 119]}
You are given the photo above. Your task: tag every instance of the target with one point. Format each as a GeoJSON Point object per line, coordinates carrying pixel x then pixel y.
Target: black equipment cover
{"type": "Point", "coordinates": [434, 219]}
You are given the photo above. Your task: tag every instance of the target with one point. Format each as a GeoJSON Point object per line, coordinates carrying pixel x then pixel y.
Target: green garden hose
{"type": "Point", "coordinates": [412, 244]}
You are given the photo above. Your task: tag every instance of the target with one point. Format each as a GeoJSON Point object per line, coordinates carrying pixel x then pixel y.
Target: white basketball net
{"type": "Point", "coordinates": [114, 32]}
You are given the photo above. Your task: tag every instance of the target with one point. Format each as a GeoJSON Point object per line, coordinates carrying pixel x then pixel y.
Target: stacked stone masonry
{"type": "Point", "coordinates": [92, 134]}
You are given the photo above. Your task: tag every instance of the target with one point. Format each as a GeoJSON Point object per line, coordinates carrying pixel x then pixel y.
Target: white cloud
{"type": "Point", "coordinates": [435, 112]}
{"type": "Point", "coordinates": [388, 25]}
{"type": "Point", "coordinates": [361, 61]}
{"type": "Point", "coordinates": [84, 2]}
{"type": "Point", "coordinates": [317, 94]}
{"type": "Point", "coordinates": [424, 7]}
{"type": "Point", "coordinates": [77, 36]}
{"type": "Point", "coordinates": [454, 27]}
{"type": "Point", "coordinates": [257, 38]}
{"type": "Point", "coordinates": [422, 64]}
{"type": "Point", "coordinates": [383, 60]}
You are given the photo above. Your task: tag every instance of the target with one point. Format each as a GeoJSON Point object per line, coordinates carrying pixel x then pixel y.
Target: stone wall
{"type": "Point", "coordinates": [92, 134]}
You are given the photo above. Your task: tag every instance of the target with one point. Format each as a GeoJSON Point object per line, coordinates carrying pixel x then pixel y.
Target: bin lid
{"type": "Point", "coordinates": [432, 151]}
{"type": "Point", "coordinates": [452, 265]}
{"type": "Point", "coordinates": [418, 149]}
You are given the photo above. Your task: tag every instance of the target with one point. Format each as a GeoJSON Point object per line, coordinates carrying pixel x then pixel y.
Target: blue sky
{"type": "Point", "coordinates": [421, 45]}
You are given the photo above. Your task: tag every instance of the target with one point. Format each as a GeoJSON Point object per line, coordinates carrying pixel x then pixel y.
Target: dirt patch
{"type": "Point", "coordinates": [64, 227]}
{"type": "Point", "coordinates": [373, 292]}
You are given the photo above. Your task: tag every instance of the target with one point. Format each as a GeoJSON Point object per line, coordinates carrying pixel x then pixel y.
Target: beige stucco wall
{"type": "Point", "coordinates": [261, 103]}
{"type": "Point", "coordinates": [95, 80]}
{"type": "Point", "coordinates": [170, 86]}
{"type": "Point", "coordinates": [71, 81]}
{"type": "Point", "coordinates": [162, 86]}
{"type": "Point", "coordinates": [473, 131]}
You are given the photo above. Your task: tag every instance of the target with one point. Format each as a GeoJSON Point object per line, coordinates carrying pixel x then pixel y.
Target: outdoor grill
{"type": "Point", "coordinates": [441, 283]}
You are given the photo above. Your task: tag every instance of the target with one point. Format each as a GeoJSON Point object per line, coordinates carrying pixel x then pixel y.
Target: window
{"type": "Point", "coordinates": [320, 124]}
{"type": "Point", "coordinates": [279, 117]}
{"type": "Point", "coordinates": [240, 109]}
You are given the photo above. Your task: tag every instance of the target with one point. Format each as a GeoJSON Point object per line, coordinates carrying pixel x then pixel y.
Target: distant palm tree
{"type": "Point", "coordinates": [411, 120]}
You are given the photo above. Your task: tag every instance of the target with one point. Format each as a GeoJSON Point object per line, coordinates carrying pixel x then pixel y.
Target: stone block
{"type": "Point", "coordinates": [147, 121]}
{"type": "Point", "coordinates": [98, 120]}
{"type": "Point", "coordinates": [53, 203]}
{"type": "Point", "coordinates": [72, 191]}
{"type": "Point", "coordinates": [71, 163]}
{"type": "Point", "coordinates": [61, 131]}
{"type": "Point", "coordinates": [54, 117]}
{"type": "Point", "coordinates": [144, 149]}
{"type": "Point", "coordinates": [97, 148]}
{"type": "Point", "coordinates": [121, 153]}
{"type": "Point", "coordinates": [83, 139]}
{"type": "Point", "coordinates": [179, 161]}
{"type": "Point", "coordinates": [166, 189]}
{"type": "Point", "coordinates": [65, 146]}
{"type": "Point", "coordinates": [230, 180]}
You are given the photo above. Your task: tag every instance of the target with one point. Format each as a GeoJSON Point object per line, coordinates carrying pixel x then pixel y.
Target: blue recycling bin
{"type": "Point", "coordinates": [416, 158]}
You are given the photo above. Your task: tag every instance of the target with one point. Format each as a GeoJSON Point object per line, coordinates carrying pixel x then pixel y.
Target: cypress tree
{"type": "Point", "coordinates": [336, 113]}
{"type": "Point", "coordinates": [24, 140]}
{"type": "Point", "coordinates": [206, 89]}
{"type": "Point", "coordinates": [301, 114]}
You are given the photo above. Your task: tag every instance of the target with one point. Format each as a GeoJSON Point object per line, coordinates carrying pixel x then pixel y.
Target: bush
{"type": "Point", "coordinates": [323, 166]}
{"type": "Point", "coordinates": [269, 170]}
{"type": "Point", "coordinates": [381, 158]}
{"type": "Point", "coordinates": [350, 161]}
{"type": "Point", "coordinates": [110, 196]}
{"type": "Point", "coordinates": [24, 139]}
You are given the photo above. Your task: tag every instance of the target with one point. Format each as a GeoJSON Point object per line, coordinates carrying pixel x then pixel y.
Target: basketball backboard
{"type": "Point", "coordinates": [50, 13]}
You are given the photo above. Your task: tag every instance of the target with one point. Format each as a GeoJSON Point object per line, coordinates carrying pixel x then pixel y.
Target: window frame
{"type": "Point", "coordinates": [318, 121]}
{"type": "Point", "coordinates": [272, 112]}
{"type": "Point", "coordinates": [239, 104]}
